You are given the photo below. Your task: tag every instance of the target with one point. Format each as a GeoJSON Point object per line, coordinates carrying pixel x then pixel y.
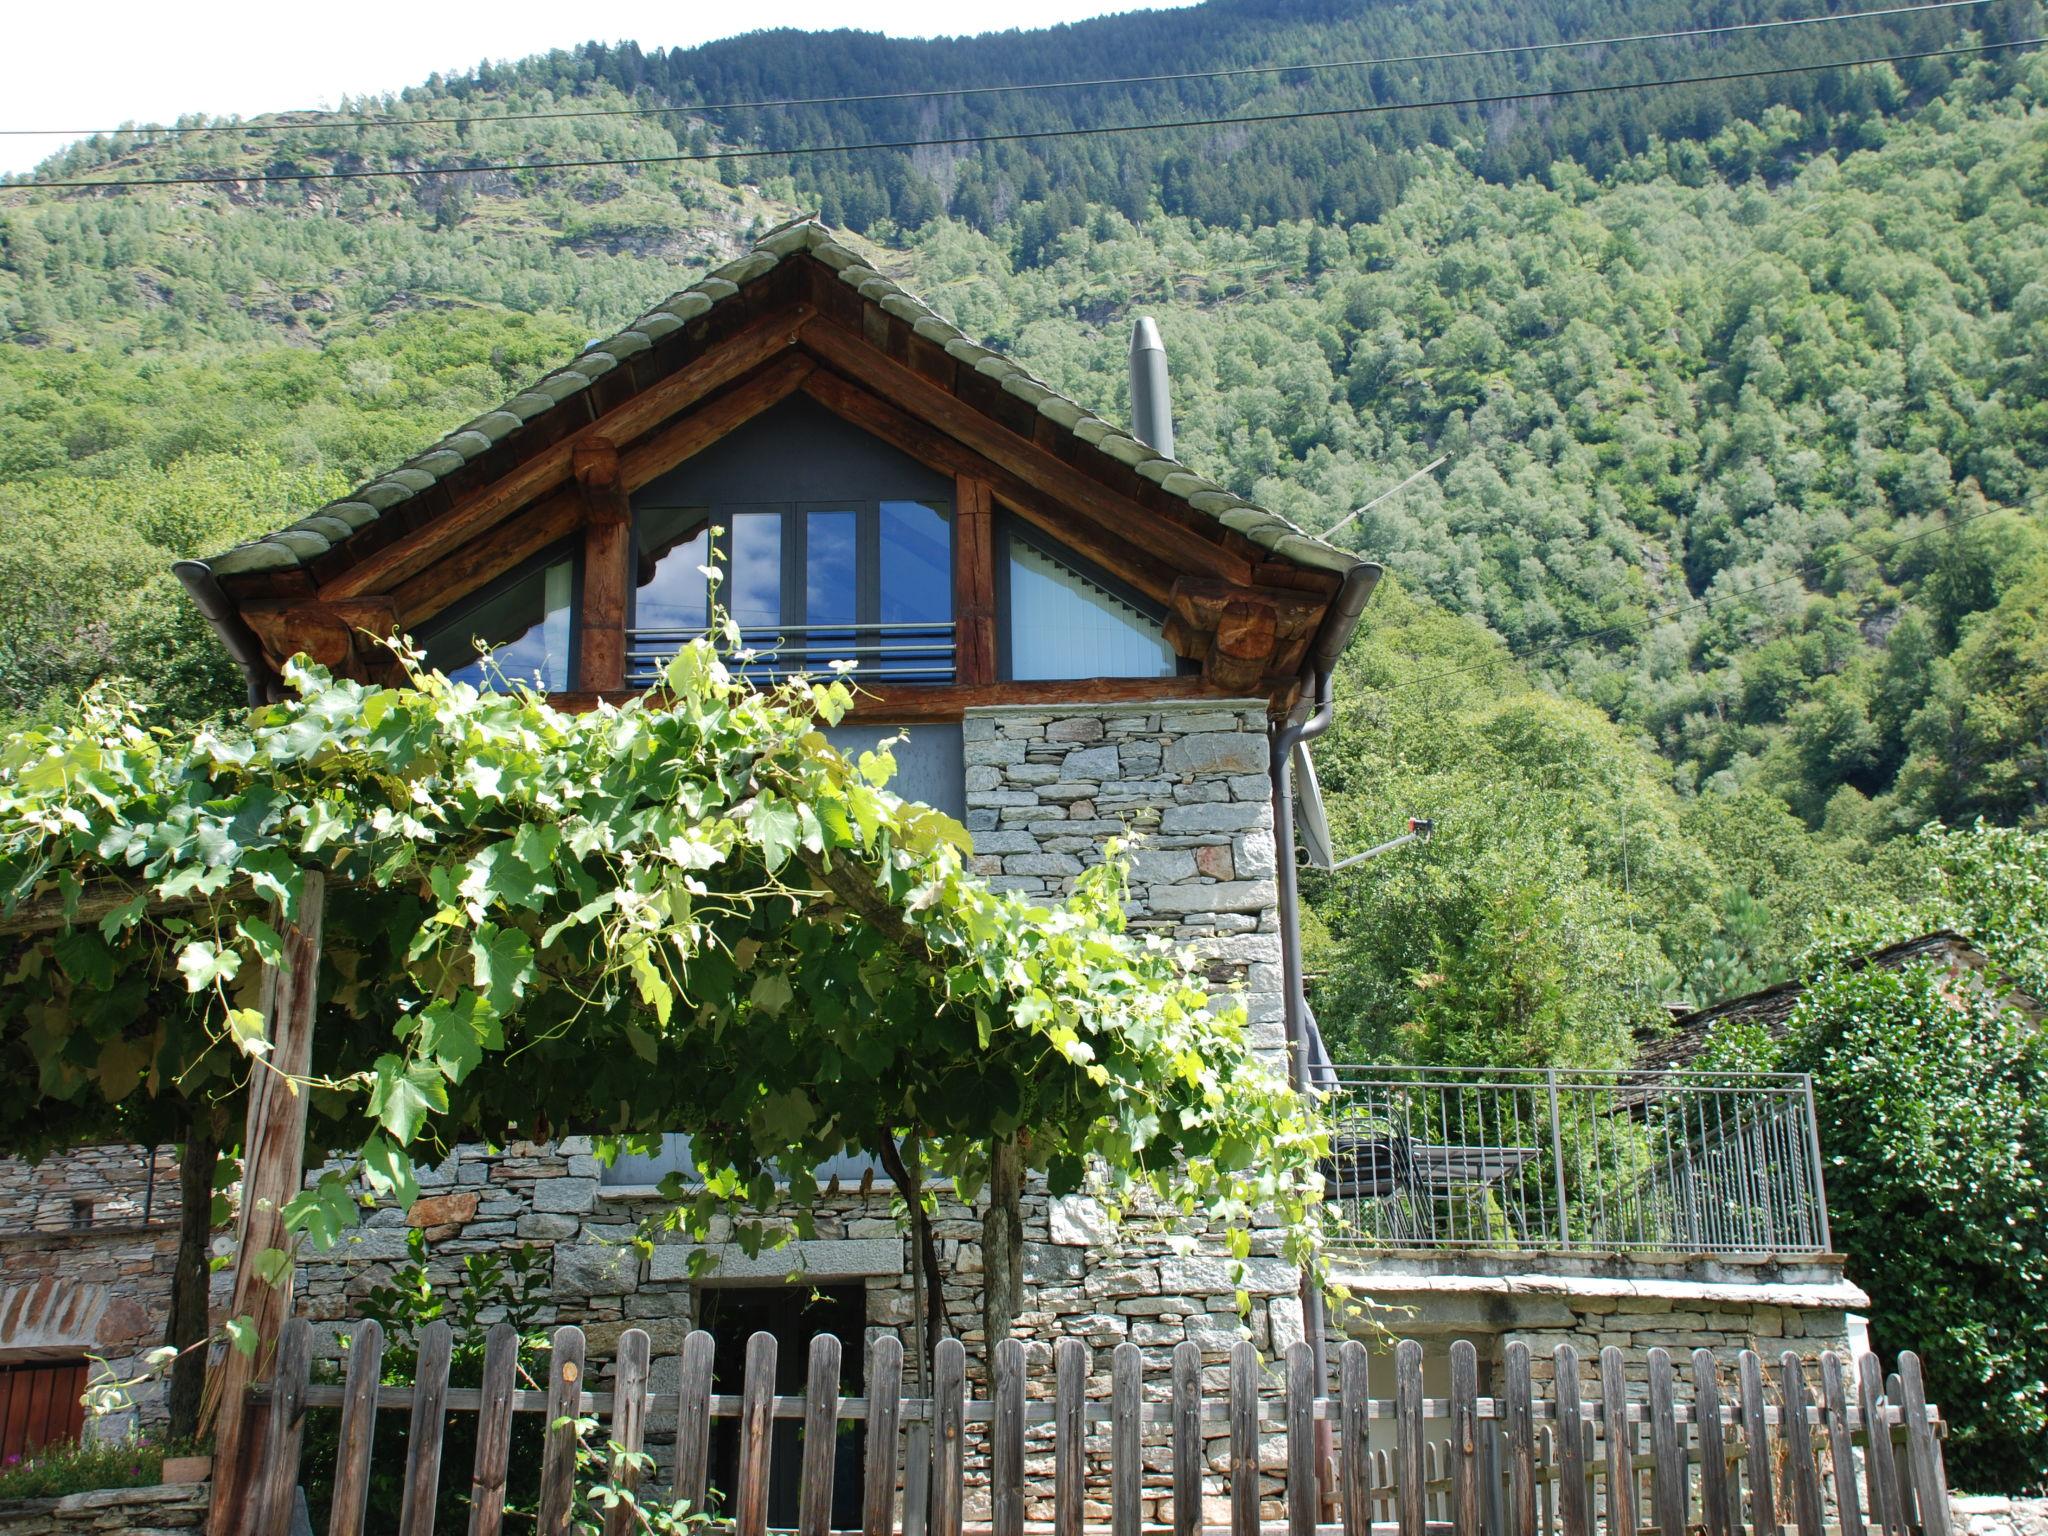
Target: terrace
{"type": "Point", "coordinates": [1576, 1162]}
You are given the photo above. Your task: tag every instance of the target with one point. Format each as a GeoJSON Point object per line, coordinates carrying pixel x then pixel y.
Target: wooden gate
{"type": "Point", "coordinates": [1856, 1453]}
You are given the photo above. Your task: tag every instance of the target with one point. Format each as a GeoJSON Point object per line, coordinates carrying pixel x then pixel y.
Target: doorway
{"type": "Point", "coordinates": [794, 1315]}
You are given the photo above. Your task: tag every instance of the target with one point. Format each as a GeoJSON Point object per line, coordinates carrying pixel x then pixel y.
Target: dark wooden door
{"type": "Point", "coordinates": [795, 1314]}
{"type": "Point", "coordinates": [39, 1405]}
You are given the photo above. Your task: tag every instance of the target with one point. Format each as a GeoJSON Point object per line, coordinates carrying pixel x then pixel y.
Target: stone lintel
{"type": "Point", "coordinates": [856, 1258]}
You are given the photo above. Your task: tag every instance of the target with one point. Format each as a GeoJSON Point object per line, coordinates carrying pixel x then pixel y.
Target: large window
{"type": "Point", "coordinates": [809, 584]}
{"type": "Point", "coordinates": [1063, 617]}
{"type": "Point", "coordinates": [526, 619]}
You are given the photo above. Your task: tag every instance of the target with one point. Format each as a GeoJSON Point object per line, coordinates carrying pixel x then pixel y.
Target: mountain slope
{"type": "Point", "coordinates": [1747, 438]}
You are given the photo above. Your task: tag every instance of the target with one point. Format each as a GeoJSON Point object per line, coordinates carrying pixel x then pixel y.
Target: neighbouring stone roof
{"type": "Point", "coordinates": [1771, 1007]}
{"type": "Point", "coordinates": [315, 535]}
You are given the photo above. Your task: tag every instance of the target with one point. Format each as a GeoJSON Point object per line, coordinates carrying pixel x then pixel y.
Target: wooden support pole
{"type": "Point", "coordinates": [607, 550]}
{"type": "Point", "coordinates": [974, 582]}
{"type": "Point", "coordinates": [273, 1169]}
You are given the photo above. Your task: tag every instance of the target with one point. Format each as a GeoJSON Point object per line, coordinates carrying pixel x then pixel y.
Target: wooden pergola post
{"type": "Point", "coordinates": [273, 1171]}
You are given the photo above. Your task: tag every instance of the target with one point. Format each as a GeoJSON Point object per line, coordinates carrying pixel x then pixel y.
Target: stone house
{"type": "Point", "coordinates": [1082, 638]}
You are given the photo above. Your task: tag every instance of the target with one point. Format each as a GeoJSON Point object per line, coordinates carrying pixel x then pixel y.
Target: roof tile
{"type": "Point", "coordinates": [315, 535]}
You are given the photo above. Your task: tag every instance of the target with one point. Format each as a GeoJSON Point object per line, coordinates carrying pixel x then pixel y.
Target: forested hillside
{"type": "Point", "coordinates": [1735, 574]}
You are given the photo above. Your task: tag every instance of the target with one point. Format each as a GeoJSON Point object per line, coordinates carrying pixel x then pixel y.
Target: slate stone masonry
{"type": "Point", "coordinates": [1186, 783]}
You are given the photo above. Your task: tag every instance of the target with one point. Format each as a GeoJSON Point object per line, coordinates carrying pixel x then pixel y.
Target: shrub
{"type": "Point", "coordinates": [56, 1470]}
{"type": "Point", "coordinates": [1932, 1098]}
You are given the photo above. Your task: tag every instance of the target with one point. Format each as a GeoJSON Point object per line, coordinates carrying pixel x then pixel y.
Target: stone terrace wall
{"type": "Point", "coordinates": [131, 1511]}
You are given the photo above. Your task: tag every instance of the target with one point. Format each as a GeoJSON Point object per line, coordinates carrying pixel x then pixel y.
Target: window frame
{"type": "Point", "coordinates": [1008, 527]}
{"type": "Point", "coordinates": [794, 587]}
{"type": "Point", "coordinates": [570, 550]}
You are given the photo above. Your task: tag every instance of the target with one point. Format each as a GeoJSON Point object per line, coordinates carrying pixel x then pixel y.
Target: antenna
{"type": "Point", "coordinates": [1420, 830]}
{"type": "Point", "coordinates": [1332, 531]}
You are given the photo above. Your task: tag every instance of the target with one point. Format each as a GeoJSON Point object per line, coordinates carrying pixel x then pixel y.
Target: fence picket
{"type": "Point", "coordinates": [423, 1440]}
{"type": "Point", "coordinates": [1841, 1453]}
{"type": "Point", "coordinates": [1354, 1467]}
{"type": "Point", "coordinates": [1921, 1450]}
{"type": "Point", "coordinates": [693, 1420]}
{"type": "Point", "coordinates": [1187, 1439]}
{"type": "Point", "coordinates": [1880, 1467]}
{"type": "Point", "coordinates": [1126, 1474]}
{"type": "Point", "coordinates": [278, 1477]}
{"type": "Point", "coordinates": [558, 1454]}
{"type": "Point", "coordinates": [1006, 1442]}
{"type": "Point", "coordinates": [488, 1473]}
{"type": "Point", "coordinates": [1408, 1479]}
{"type": "Point", "coordinates": [629, 1424]}
{"type": "Point", "coordinates": [949, 1437]}
{"type": "Point", "coordinates": [1465, 1505]}
{"type": "Point", "coordinates": [350, 1503]}
{"type": "Point", "coordinates": [1763, 1518]}
{"type": "Point", "coordinates": [821, 1438]}
{"type": "Point", "coordinates": [884, 1389]}
{"type": "Point", "coordinates": [1521, 1437]}
{"type": "Point", "coordinates": [1573, 1515]}
{"type": "Point", "coordinates": [1614, 1432]}
{"type": "Point", "coordinates": [1902, 1461]}
{"type": "Point", "coordinates": [1244, 1439]}
{"type": "Point", "coordinates": [1667, 1450]}
{"type": "Point", "coordinates": [1797, 1444]}
{"type": "Point", "coordinates": [1302, 1493]}
{"type": "Point", "coordinates": [1070, 1447]}
{"type": "Point", "coordinates": [1716, 1513]}
{"type": "Point", "coordinates": [757, 1388]}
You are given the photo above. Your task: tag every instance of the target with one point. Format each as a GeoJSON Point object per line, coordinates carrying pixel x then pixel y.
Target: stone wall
{"type": "Point", "coordinates": [131, 1511]}
{"type": "Point", "coordinates": [101, 1287]}
{"type": "Point", "coordinates": [1046, 790]}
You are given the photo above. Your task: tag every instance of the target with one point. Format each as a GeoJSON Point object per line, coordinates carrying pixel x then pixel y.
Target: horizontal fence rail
{"type": "Point", "coordinates": [1569, 1160]}
{"type": "Point", "coordinates": [1855, 1453]}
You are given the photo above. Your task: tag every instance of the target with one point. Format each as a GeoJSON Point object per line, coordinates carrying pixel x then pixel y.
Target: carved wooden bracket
{"type": "Point", "coordinates": [342, 635]}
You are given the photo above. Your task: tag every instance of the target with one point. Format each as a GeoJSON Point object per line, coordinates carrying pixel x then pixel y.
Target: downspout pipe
{"type": "Point", "coordinates": [1311, 716]}
{"type": "Point", "coordinates": [203, 587]}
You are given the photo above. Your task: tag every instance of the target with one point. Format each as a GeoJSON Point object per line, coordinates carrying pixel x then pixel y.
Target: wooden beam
{"type": "Point", "coordinates": [273, 1171]}
{"type": "Point", "coordinates": [336, 635]}
{"type": "Point", "coordinates": [607, 550]}
{"type": "Point", "coordinates": [949, 701]}
{"type": "Point", "coordinates": [470, 566]}
{"type": "Point", "coordinates": [712, 369]}
{"type": "Point", "coordinates": [929, 446]}
{"type": "Point", "coordinates": [974, 582]}
{"type": "Point", "coordinates": [475, 565]}
{"type": "Point", "coordinates": [1087, 497]}
{"type": "Point", "coordinates": [1243, 644]}
{"type": "Point", "coordinates": [692, 434]}
{"type": "Point", "coordinates": [1203, 602]}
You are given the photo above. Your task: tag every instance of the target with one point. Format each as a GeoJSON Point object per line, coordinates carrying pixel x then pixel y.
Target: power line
{"type": "Point", "coordinates": [1023, 135]}
{"type": "Point", "coordinates": [323, 119]}
{"type": "Point", "coordinates": [1640, 626]}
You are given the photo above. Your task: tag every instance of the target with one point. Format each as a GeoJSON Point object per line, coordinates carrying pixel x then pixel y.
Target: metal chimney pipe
{"type": "Point", "coordinates": [1151, 406]}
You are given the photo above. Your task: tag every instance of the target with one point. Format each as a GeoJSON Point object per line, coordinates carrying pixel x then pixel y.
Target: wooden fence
{"type": "Point", "coordinates": [1578, 1457]}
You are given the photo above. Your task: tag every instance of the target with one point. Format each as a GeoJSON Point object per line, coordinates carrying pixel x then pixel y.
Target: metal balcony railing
{"type": "Point", "coordinates": [887, 653]}
{"type": "Point", "coordinates": [1576, 1161]}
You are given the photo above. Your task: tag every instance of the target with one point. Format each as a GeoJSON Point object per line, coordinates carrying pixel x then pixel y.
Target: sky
{"type": "Point", "coordinates": [148, 61]}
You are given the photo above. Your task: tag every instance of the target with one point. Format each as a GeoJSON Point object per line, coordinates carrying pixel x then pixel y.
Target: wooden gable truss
{"type": "Point", "coordinates": [1244, 612]}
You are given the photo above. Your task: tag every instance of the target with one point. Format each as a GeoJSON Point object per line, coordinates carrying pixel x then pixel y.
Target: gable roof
{"type": "Point", "coordinates": [528, 415]}
{"type": "Point", "coordinates": [1770, 1008]}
